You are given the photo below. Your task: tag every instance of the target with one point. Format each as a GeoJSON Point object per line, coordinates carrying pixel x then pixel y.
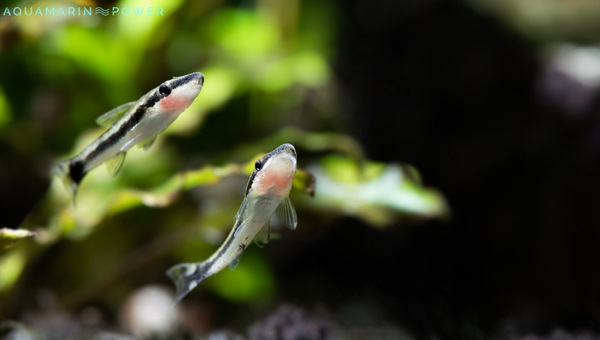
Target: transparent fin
{"type": "Point", "coordinates": [263, 236]}
{"type": "Point", "coordinates": [114, 164]}
{"type": "Point", "coordinates": [285, 214]}
{"type": "Point", "coordinates": [235, 262]}
{"type": "Point", "coordinates": [111, 117]}
{"type": "Point", "coordinates": [147, 143]}
{"type": "Point", "coordinates": [242, 216]}
{"type": "Point", "coordinates": [61, 170]}
{"type": "Point", "coordinates": [186, 277]}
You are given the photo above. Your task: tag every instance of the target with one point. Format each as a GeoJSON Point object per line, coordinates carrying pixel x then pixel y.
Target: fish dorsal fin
{"type": "Point", "coordinates": [235, 262]}
{"type": "Point", "coordinates": [111, 117]}
{"type": "Point", "coordinates": [114, 164]}
{"type": "Point", "coordinates": [285, 214]}
{"type": "Point", "coordinates": [242, 216]}
{"type": "Point", "coordinates": [263, 236]}
{"type": "Point", "coordinates": [147, 143]}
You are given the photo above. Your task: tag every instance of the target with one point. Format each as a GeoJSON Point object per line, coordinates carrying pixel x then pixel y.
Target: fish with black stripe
{"type": "Point", "coordinates": [267, 197]}
{"type": "Point", "coordinates": [133, 123]}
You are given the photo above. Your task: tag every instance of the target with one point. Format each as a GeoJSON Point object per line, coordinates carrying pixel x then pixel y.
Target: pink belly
{"type": "Point", "coordinates": [274, 184]}
{"type": "Point", "coordinates": [174, 104]}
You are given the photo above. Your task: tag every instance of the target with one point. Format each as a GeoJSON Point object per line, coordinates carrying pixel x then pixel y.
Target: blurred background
{"type": "Point", "coordinates": [455, 147]}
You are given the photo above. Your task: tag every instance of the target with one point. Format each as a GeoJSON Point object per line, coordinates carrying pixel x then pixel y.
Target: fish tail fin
{"type": "Point", "coordinates": [71, 174]}
{"type": "Point", "coordinates": [186, 277]}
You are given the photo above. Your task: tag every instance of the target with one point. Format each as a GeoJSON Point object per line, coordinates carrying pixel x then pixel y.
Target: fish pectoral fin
{"type": "Point", "coordinates": [114, 164]}
{"type": "Point", "coordinates": [111, 117]}
{"type": "Point", "coordinates": [235, 262]}
{"type": "Point", "coordinates": [242, 216]}
{"type": "Point", "coordinates": [147, 143]}
{"type": "Point", "coordinates": [285, 214]}
{"type": "Point", "coordinates": [263, 236]}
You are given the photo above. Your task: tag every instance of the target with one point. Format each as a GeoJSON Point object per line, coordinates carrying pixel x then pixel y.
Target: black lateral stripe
{"type": "Point", "coordinates": [76, 171]}
{"type": "Point", "coordinates": [200, 273]}
{"type": "Point", "coordinates": [135, 118]}
{"type": "Point", "coordinates": [250, 181]}
{"type": "Point", "coordinates": [226, 246]}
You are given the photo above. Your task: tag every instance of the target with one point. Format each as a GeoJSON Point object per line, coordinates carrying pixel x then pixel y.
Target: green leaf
{"type": "Point", "coordinates": [8, 237]}
{"type": "Point", "coordinates": [375, 192]}
{"type": "Point", "coordinates": [305, 182]}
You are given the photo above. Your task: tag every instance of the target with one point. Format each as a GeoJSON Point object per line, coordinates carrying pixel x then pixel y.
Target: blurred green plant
{"type": "Point", "coordinates": [11, 267]}
{"type": "Point", "coordinates": [5, 111]}
{"type": "Point", "coordinates": [8, 237]}
{"type": "Point", "coordinates": [373, 191]}
{"type": "Point", "coordinates": [250, 281]}
{"type": "Point", "coordinates": [12, 263]}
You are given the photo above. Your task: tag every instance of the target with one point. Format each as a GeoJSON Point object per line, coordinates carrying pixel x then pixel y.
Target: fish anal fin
{"type": "Point", "coordinates": [114, 164]}
{"type": "Point", "coordinates": [235, 262]}
{"type": "Point", "coordinates": [147, 143]}
{"type": "Point", "coordinates": [285, 214]}
{"type": "Point", "coordinates": [263, 236]}
{"type": "Point", "coordinates": [111, 117]}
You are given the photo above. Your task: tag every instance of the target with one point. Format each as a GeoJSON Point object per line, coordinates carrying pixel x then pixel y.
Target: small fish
{"type": "Point", "coordinates": [267, 196]}
{"type": "Point", "coordinates": [134, 123]}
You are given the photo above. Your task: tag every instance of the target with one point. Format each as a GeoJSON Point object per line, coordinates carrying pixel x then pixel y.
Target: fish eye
{"type": "Point", "coordinates": [258, 165]}
{"type": "Point", "coordinates": [164, 90]}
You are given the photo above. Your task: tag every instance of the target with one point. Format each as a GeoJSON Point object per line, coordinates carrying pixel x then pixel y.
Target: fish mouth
{"type": "Point", "coordinates": [285, 158]}
{"type": "Point", "coordinates": [289, 148]}
{"type": "Point", "coordinates": [196, 78]}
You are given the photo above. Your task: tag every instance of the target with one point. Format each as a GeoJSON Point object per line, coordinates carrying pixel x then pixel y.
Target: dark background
{"type": "Point", "coordinates": [456, 93]}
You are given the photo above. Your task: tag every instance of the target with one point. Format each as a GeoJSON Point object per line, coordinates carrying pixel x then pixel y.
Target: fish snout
{"type": "Point", "coordinates": [289, 148]}
{"type": "Point", "coordinates": [201, 79]}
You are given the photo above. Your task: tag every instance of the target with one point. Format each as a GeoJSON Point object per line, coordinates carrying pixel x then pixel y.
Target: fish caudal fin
{"type": "Point", "coordinates": [71, 173]}
{"type": "Point", "coordinates": [186, 277]}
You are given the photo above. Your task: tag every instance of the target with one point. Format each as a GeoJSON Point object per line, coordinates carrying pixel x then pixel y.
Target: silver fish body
{"type": "Point", "coordinates": [267, 197]}
{"type": "Point", "coordinates": [134, 123]}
